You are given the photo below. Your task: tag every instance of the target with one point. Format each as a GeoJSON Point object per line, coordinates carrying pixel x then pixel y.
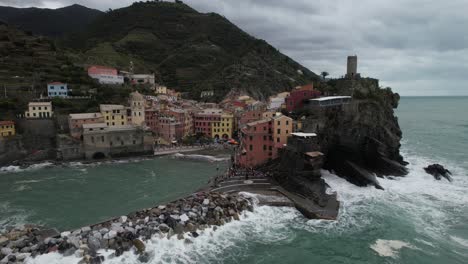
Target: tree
{"type": "Point", "coordinates": [324, 74]}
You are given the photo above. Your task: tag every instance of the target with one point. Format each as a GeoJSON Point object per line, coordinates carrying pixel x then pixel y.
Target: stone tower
{"type": "Point", "coordinates": [137, 106]}
{"type": "Point", "coordinates": [351, 72]}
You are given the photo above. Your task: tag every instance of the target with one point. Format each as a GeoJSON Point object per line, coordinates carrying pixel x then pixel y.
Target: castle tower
{"type": "Point", "coordinates": [137, 106]}
{"type": "Point", "coordinates": [351, 72]}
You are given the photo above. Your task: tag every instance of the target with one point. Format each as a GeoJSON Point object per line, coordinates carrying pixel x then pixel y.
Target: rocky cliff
{"type": "Point", "coordinates": [361, 140]}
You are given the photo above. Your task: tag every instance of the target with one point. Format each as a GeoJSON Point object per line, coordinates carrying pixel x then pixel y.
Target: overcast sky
{"type": "Point", "coordinates": [418, 47]}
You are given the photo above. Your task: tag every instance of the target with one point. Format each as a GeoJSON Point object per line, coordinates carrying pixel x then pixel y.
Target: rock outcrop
{"type": "Point", "coordinates": [438, 171]}
{"type": "Point", "coordinates": [360, 140]}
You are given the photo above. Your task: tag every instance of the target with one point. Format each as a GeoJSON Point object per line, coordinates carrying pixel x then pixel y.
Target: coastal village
{"type": "Point", "coordinates": [162, 119]}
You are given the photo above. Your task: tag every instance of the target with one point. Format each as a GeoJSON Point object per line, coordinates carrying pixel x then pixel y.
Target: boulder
{"type": "Point", "coordinates": [94, 243]}
{"type": "Point", "coordinates": [6, 251]}
{"type": "Point", "coordinates": [139, 245]}
{"type": "Point", "coordinates": [112, 234]}
{"type": "Point", "coordinates": [164, 228]}
{"type": "Point", "coordinates": [438, 171]}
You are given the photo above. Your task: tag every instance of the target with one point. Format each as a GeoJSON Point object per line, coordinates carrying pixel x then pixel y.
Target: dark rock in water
{"type": "Point", "coordinates": [438, 171]}
{"type": "Point", "coordinates": [139, 245]}
{"type": "Point", "coordinates": [96, 260]}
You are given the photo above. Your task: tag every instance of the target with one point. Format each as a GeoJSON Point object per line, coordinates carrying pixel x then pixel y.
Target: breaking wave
{"type": "Point", "coordinates": [33, 167]}
{"type": "Point", "coordinates": [201, 157]}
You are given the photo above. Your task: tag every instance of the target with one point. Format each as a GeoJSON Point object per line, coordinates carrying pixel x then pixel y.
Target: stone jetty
{"type": "Point", "coordinates": [183, 219]}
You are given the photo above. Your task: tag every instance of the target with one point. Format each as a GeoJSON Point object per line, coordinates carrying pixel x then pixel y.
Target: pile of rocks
{"type": "Point", "coordinates": [183, 219]}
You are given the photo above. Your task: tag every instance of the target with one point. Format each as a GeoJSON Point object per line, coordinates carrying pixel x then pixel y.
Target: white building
{"type": "Point", "coordinates": [39, 110]}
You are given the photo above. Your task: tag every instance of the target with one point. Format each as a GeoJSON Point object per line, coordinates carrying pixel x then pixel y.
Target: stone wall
{"type": "Point", "coordinates": [69, 148]}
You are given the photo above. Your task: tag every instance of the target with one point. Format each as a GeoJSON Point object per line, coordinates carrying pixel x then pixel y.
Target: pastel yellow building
{"type": "Point", "coordinates": [282, 128]}
{"type": "Point", "coordinates": [161, 89]}
{"type": "Point", "coordinates": [114, 115]}
{"type": "Point", "coordinates": [7, 129]}
{"type": "Point", "coordinates": [223, 127]}
{"type": "Point", "coordinates": [39, 110]}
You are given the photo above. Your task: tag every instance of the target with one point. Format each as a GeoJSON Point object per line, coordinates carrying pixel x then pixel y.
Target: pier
{"type": "Point", "coordinates": [269, 192]}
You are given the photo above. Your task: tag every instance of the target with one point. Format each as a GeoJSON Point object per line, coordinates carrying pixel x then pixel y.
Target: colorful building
{"type": "Point", "coordinates": [299, 96]}
{"type": "Point", "coordinates": [185, 120]}
{"type": "Point", "coordinates": [161, 89]}
{"type": "Point", "coordinates": [57, 89]}
{"type": "Point", "coordinates": [39, 110]}
{"type": "Point", "coordinates": [114, 115]}
{"type": "Point", "coordinates": [151, 119]}
{"type": "Point", "coordinates": [261, 140]}
{"type": "Point", "coordinates": [256, 145]}
{"type": "Point", "coordinates": [202, 121]}
{"type": "Point", "coordinates": [224, 127]}
{"type": "Point", "coordinates": [105, 75]}
{"type": "Point", "coordinates": [7, 129]}
{"type": "Point", "coordinates": [250, 116]}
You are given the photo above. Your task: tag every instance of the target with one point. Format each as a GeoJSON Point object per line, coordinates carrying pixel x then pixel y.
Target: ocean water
{"type": "Point", "coordinates": [416, 219]}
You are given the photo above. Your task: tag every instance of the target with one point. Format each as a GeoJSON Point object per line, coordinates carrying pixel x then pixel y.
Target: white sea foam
{"type": "Point", "coordinates": [389, 248]}
{"type": "Point", "coordinates": [460, 241]}
{"type": "Point", "coordinates": [266, 225]}
{"type": "Point", "coordinates": [38, 166]}
{"type": "Point", "coordinates": [200, 157]}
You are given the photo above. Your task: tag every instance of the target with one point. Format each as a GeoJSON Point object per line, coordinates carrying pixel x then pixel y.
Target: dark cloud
{"type": "Point", "coordinates": [418, 47]}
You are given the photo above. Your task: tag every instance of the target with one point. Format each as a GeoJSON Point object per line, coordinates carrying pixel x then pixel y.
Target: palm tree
{"type": "Point", "coordinates": [324, 74]}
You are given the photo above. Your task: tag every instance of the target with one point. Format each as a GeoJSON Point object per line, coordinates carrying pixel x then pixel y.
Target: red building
{"type": "Point", "coordinates": [297, 97]}
{"type": "Point", "coordinates": [202, 120]}
{"type": "Point", "coordinates": [151, 119]}
{"type": "Point", "coordinates": [256, 143]}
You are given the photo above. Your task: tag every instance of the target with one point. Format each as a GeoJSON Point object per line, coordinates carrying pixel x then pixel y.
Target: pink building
{"type": "Point", "coordinates": [105, 75]}
{"type": "Point", "coordinates": [249, 116]}
{"type": "Point", "coordinates": [256, 143]}
{"type": "Point", "coordinates": [151, 119]}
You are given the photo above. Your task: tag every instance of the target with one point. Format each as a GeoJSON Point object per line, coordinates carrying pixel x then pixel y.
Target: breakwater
{"type": "Point", "coordinates": [183, 218]}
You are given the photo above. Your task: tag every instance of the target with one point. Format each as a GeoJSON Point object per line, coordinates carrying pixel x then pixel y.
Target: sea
{"type": "Point", "coordinates": [416, 219]}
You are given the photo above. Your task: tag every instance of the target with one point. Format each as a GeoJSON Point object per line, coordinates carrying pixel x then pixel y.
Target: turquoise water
{"type": "Point", "coordinates": [415, 220]}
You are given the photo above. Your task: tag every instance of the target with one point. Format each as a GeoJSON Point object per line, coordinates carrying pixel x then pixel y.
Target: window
{"type": "Point", "coordinates": [102, 138]}
{"type": "Point", "coordinates": [264, 147]}
{"type": "Point", "coordinates": [122, 123]}
{"type": "Point", "coordinates": [287, 123]}
{"type": "Point", "coordinates": [134, 142]}
{"type": "Point", "coordinates": [278, 140]}
{"type": "Point", "coordinates": [255, 128]}
{"type": "Point", "coordinates": [250, 147]}
{"type": "Point", "coordinates": [251, 138]}
{"type": "Point", "coordinates": [92, 139]}
{"type": "Point", "coordinates": [279, 124]}
{"type": "Point", "coordinates": [113, 123]}
{"type": "Point", "coordinates": [278, 131]}
{"type": "Point", "coordinates": [264, 137]}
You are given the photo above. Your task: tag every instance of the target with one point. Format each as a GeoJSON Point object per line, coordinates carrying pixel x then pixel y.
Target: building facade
{"type": "Point", "coordinates": [224, 127]}
{"type": "Point", "coordinates": [39, 110]}
{"type": "Point", "coordinates": [299, 96]}
{"type": "Point", "coordinates": [57, 89]}
{"type": "Point", "coordinates": [101, 141]}
{"type": "Point", "coordinates": [262, 139]}
{"type": "Point", "coordinates": [137, 107]}
{"type": "Point", "coordinates": [142, 79]}
{"type": "Point", "coordinates": [114, 115]}
{"type": "Point", "coordinates": [351, 67]}
{"type": "Point", "coordinates": [105, 75]}
{"type": "Point", "coordinates": [76, 122]}
{"type": "Point", "coordinates": [7, 129]}
{"type": "Point", "coordinates": [203, 121]}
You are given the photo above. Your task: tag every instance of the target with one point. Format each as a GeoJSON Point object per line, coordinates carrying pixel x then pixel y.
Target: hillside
{"type": "Point", "coordinates": [190, 51]}
{"type": "Point", "coordinates": [49, 22]}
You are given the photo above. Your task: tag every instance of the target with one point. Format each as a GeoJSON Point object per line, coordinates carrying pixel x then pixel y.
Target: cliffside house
{"type": "Point", "coordinates": [261, 140]}
{"type": "Point", "coordinates": [57, 89]}
{"type": "Point", "coordinates": [39, 110]}
{"type": "Point", "coordinates": [76, 122]}
{"type": "Point", "coordinates": [142, 79]}
{"type": "Point", "coordinates": [249, 117]}
{"type": "Point", "coordinates": [101, 141]}
{"type": "Point", "coordinates": [105, 75]}
{"type": "Point", "coordinates": [300, 95]}
{"type": "Point", "coordinates": [114, 115]}
{"type": "Point", "coordinates": [329, 101]}
{"type": "Point", "coordinates": [277, 102]}
{"type": "Point", "coordinates": [7, 129]}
